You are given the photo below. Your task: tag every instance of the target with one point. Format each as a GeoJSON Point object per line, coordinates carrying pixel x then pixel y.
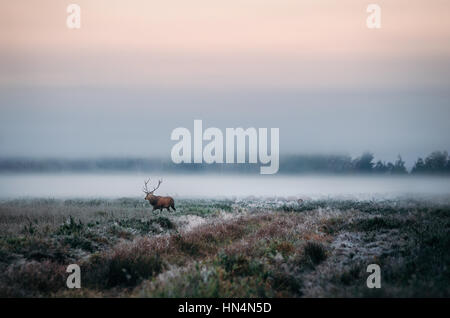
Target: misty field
{"type": "Point", "coordinates": [225, 248]}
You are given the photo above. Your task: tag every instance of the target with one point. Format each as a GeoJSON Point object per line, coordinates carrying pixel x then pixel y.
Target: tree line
{"type": "Point", "coordinates": [438, 162]}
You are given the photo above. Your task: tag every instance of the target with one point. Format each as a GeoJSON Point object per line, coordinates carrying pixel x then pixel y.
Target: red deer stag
{"type": "Point", "coordinates": [157, 201]}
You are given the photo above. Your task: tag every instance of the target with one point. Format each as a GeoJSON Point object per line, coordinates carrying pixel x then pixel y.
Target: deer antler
{"type": "Point", "coordinates": [145, 189]}
{"type": "Point", "coordinates": [159, 183]}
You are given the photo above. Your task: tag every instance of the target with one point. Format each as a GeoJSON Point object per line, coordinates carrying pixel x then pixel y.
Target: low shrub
{"type": "Point", "coordinates": [314, 252]}
{"type": "Point", "coordinates": [126, 266]}
{"type": "Point", "coordinates": [32, 279]}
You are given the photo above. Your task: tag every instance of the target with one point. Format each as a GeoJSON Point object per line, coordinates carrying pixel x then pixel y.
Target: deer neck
{"type": "Point", "coordinates": [153, 199]}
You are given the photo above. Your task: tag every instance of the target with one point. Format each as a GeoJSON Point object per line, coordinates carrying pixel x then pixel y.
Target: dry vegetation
{"type": "Point", "coordinates": [222, 248]}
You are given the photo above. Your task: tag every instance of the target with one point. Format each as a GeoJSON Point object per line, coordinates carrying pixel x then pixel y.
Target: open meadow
{"type": "Point", "coordinates": [225, 248]}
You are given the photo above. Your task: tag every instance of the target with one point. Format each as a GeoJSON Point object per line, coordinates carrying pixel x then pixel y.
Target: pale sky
{"type": "Point", "coordinates": [138, 69]}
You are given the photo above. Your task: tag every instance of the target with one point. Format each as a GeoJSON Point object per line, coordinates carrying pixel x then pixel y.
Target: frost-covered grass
{"type": "Point", "coordinates": [272, 247]}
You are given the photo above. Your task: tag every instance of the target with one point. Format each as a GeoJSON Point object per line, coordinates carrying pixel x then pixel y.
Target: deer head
{"type": "Point", "coordinates": [149, 194]}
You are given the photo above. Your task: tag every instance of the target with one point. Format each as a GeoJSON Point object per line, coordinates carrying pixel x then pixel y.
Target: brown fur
{"type": "Point", "coordinates": [159, 202]}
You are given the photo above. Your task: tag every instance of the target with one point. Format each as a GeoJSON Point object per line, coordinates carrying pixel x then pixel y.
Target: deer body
{"type": "Point", "coordinates": [158, 202]}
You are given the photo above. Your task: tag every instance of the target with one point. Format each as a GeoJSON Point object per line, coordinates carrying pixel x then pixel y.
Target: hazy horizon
{"type": "Point", "coordinates": [306, 187]}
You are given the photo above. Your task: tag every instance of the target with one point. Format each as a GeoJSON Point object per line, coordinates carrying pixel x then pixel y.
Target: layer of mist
{"type": "Point", "coordinates": [220, 186]}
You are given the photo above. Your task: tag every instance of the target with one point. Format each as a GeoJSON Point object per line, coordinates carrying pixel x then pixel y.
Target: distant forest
{"type": "Point", "coordinates": [437, 162]}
